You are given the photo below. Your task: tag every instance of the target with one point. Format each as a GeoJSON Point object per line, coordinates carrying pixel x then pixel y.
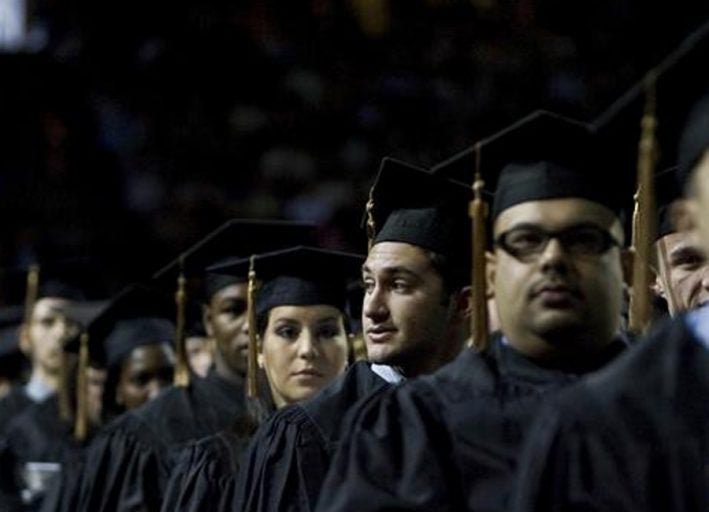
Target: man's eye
{"type": "Point", "coordinates": [139, 379]}
{"type": "Point", "coordinates": [367, 285]}
{"type": "Point", "coordinates": [400, 284]}
{"type": "Point", "coordinates": [524, 239]}
{"type": "Point", "coordinates": [47, 322]}
{"type": "Point", "coordinates": [234, 309]}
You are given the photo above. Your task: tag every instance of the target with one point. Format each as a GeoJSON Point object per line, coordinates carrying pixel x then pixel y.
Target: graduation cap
{"type": "Point", "coordinates": [411, 205]}
{"type": "Point", "coordinates": [548, 156]}
{"type": "Point", "coordinates": [138, 315]}
{"type": "Point", "coordinates": [695, 139]}
{"type": "Point", "coordinates": [235, 238]}
{"type": "Point", "coordinates": [667, 93]}
{"type": "Point", "coordinates": [72, 279]}
{"type": "Point", "coordinates": [297, 276]}
{"type": "Point", "coordinates": [648, 120]}
{"type": "Point", "coordinates": [12, 360]}
{"type": "Point", "coordinates": [667, 192]}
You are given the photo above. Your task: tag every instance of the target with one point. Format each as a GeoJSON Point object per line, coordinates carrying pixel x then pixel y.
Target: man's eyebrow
{"type": "Point", "coordinates": [574, 225]}
{"type": "Point", "coordinates": [684, 249]}
{"type": "Point", "coordinates": [396, 269]}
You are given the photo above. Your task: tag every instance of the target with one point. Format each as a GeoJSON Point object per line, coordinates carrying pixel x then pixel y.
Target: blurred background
{"type": "Point", "coordinates": [129, 129]}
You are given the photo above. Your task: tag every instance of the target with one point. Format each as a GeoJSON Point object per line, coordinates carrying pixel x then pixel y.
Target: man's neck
{"type": "Point", "coordinates": [41, 385]}
{"type": "Point", "coordinates": [567, 353]}
{"type": "Point", "coordinates": [224, 371]}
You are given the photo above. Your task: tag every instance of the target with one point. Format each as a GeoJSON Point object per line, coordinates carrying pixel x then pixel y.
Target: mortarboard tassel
{"type": "Point", "coordinates": [644, 215]}
{"type": "Point", "coordinates": [31, 292]}
{"type": "Point", "coordinates": [182, 373]}
{"type": "Point", "coordinates": [478, 213]}
{"type": "Point", "coordinates": [81, 420]}
{"type": "Point", "coordinates": [251, 385]}
{"type": "Point", "coordinates": [371, 228]}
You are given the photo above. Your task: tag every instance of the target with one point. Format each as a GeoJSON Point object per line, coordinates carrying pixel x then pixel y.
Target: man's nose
{"type": "Point", "coordinates": [554, 255]}
{"type": "Point", "coordinates": [374, 305]}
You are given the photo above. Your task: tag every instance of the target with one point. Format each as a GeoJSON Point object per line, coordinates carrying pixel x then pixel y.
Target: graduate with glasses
{"type": "Point", "coordinates": [636, 436]}
{"type": "Point", "coordinates": [450, 441]}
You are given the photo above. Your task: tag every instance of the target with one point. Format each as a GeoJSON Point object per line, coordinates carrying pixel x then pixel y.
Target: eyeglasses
{"type": "Point", "coordinates": [527, 242]}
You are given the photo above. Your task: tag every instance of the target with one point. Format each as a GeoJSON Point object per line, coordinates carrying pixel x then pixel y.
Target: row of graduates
{"type": "Point", "coordinates": [550, 409]}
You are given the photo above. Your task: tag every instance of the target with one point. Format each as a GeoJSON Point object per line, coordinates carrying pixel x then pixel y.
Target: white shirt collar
{"type": "Point", "coordinates": [388, 373]}
{"type": "Point", "coordinates": [38, 391]}
{"type": "Point", "coordinates": [698, 323]}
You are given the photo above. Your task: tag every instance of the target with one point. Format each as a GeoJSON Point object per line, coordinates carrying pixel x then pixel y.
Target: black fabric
{"type": "Point", "coordinates": [204, 478]}
{"type": "Point", "coordinates": [38, 434]}
{"type": "Point", "coordinates": [694, 141]}
{"type": "Point", "coordinates": [667, 192]}
{"type": "Point", "coordinates": [444, 442]}
{"type": "Point", "coordinates": [129, 463]}
{"type": "Point", "coordinates": [635, 437]}
{"type": "Point", "coordinates": [298, 276]}
{"type": "Point", "coordinates": [547, 156]}
{"type": "Point", "coordinates": [413, 206]}
{"type": "Point", "coordinates": [288, 458]}
{"type": "Point", "coordinates": [63, 495]}
{"type": "Point", "coordinates": [13, 404]}
{"type": "Point", "coordinates": [541, 180]}
{"type": "Point", "coordinates": [137, 332]}
{"type": "Point", "coordinates": [234, 238]}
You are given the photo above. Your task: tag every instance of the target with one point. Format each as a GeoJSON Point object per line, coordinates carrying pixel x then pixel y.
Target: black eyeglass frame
{"type": "Point", "coordinates": [605, 241]}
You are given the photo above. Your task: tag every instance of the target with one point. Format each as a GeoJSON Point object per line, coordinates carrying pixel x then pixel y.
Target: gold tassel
{"type": "Point", "coordinates": [371, 228]}
{"type": "Point", "coordinates": [478, 213]}
{"type": "Point", "coordinates": [251, 386]}
{"type": "Point", "coordinates": [64, 393]}
{"type": "Point", "coordinates": [31, 292]}
{"type": "Point", "coordinates": [81, 421]}
{"type": "Point", "coordinates": [644, 217]}
{"type": "Point", "coordinates": [182, 370]}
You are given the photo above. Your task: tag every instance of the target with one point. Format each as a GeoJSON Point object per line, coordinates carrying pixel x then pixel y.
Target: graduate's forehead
{"type": "Point", "coordinates": [397, 257]}
{"type": "Point", "coordinates": [555, 214]}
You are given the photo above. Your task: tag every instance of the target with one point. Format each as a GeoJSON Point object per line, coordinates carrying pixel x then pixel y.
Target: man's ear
{"type": "Point", "coordinates": [490, 273]}
{"type": "Point", "coordinates": [658, 288]}
{"type": "Point", "coordinates": [464, 302]}
{"type": "Point", "coordinates": [207, 320]}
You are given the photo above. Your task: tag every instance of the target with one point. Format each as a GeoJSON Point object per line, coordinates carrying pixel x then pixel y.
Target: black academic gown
{"type": "Point", "coordinates": [444, 442]}
{"type": "Point", "coordinates": [129, 463]}
{"type": "Point", "coordinates": [635, 437]}
{"type": "Point", "coordinates": [285, 465]}
{"type": "Point", "coordinates": [12, 405]}
{"type": "Point", "coordinates": [37, 435]}
{"type": "Point", "coordinates": [204, 478]}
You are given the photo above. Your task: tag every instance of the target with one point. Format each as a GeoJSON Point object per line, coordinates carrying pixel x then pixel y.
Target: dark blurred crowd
{"type": "Point", "coordinates": [128, 129]}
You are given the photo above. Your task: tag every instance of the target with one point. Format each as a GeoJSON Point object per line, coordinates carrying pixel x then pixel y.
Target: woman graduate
{"type": "Point", "coordinates": [299, 330]}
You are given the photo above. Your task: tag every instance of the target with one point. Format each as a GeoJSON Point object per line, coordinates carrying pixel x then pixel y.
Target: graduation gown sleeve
{"type": "Point", "coordinates": [129, 464]}
{"type": "Point", "coordinates": [448, 441]}
{"type": "Point", "coordinates": [204, 478]}
{"type": "Point", "coordinates": [375, 470]}
{"type": "Point", "coordinates": [125, 470]}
